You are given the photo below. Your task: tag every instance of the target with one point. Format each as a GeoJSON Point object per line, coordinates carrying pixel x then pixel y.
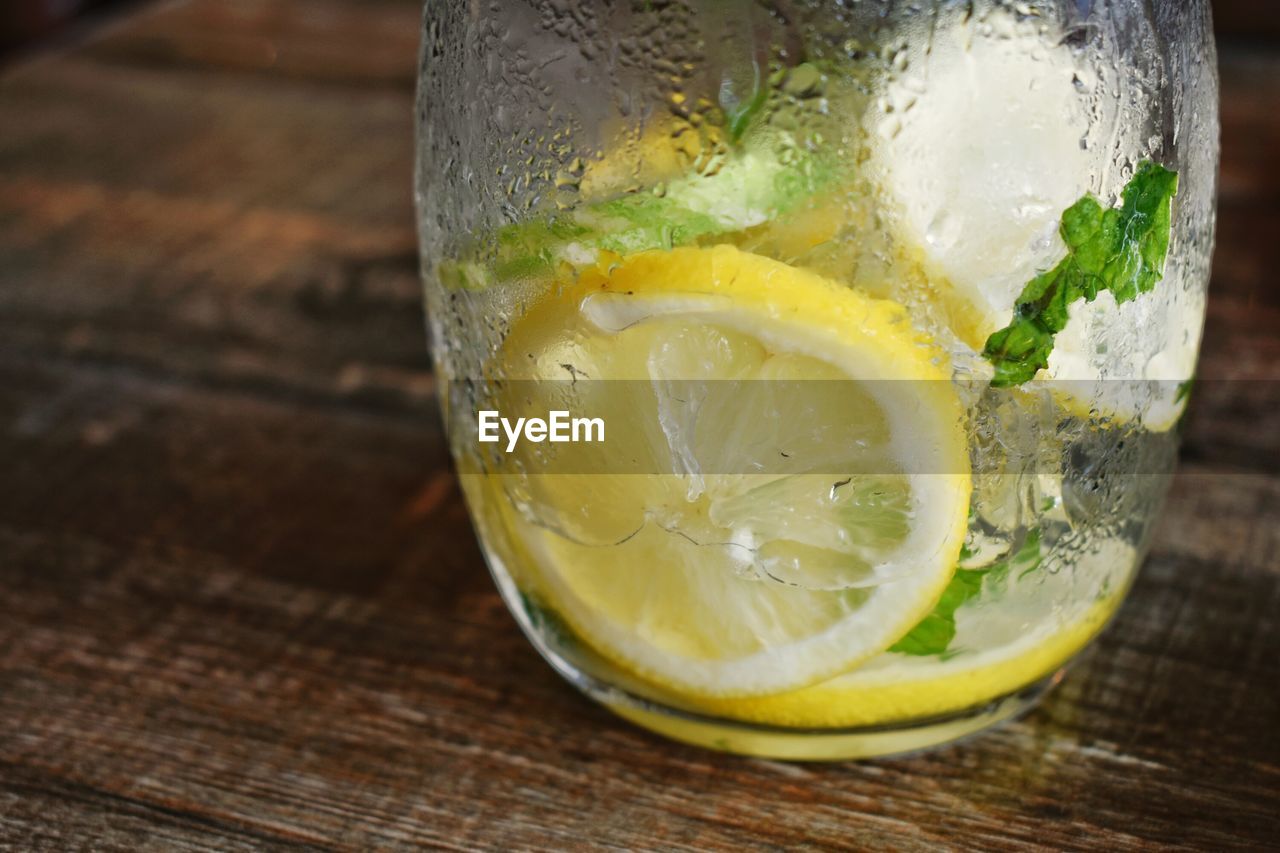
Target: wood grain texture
{"type": "Point", "coordinates": [240, 604]}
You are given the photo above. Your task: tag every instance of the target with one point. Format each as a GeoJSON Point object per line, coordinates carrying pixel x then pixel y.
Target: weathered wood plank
{"type": "Point", "coordinates": [110, 453]}
{"type": "Point", "coordinates": [372, 44]}
{"type": "Point", "coordinates": [50, 814]}
{"type": "Point", "coordinates": [1250, 81]}
{"type": "Point", "coordinates": [320, 718]}
{"type": "Point", "coordinates": [278, 250]}
{"type": "Point", "coordinates": [1246, 22]}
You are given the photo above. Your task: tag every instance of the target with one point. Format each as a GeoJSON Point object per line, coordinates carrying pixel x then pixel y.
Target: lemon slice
{"type": "Point", "coordinates": [847, 716]}
{"type": "Point", "coordinates": [896, 687]}
{"type": "Point", "coordinates": [784, 486]}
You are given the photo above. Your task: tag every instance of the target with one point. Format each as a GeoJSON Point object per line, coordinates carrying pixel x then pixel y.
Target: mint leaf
{"type": "Point", "coordinates": [645, 221]}
{"type": "Point", "coordinates": [933, 634]}
{"type": "Point", "coordinates": [740, 116]}
{"type": "Point", "coordinates": [546, 621]}
{"type": "Point", "coordinates": [751, 187]}
{"type": "Point", "coordinates": [1024, 561]}
{"type": "Point", "coordinates": [1183, 391]}
{"type": "Point", "coordinates": [1118, 249]}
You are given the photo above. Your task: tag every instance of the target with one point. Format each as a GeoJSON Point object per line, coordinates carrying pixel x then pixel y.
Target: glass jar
{"type": "Point", "coordinates": [813, 369]}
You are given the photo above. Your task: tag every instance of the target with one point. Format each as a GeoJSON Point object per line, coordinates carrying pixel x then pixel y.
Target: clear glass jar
{"type": "Point", "coordinates": [886, 313]}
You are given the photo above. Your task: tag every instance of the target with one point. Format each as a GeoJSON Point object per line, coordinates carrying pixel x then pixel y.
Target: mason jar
{"type": "Point", "coordinates": [813, 370]}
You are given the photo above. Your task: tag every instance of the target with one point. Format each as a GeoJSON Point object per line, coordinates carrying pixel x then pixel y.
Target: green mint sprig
{"type": "Point", "coordinates": [1120, 249]}
{"type": "Point", "coordinates": [739, 117]}
{"type": "Point", "coordinates": [751, 187]}
{"type": "Point", "coordinates": [933, 634]}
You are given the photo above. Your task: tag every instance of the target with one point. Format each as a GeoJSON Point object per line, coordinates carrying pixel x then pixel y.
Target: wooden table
{"type": "Point", "coordinates": [240, 602]}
